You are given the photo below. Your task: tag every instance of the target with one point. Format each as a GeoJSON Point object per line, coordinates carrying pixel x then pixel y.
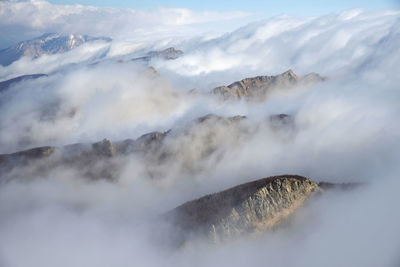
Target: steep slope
{"type": "Point", "coordinates": [49, 43]}
{"type": "Point", "coordinates": [257, 88]}
{"type": "Point", "coordinates": [247, 208]}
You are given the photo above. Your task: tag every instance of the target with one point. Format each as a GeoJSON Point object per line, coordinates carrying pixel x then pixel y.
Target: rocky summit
{"type": "Point", "coordinates": [247, 208]}
{"type": "Point", "coordinates": [258, 88]}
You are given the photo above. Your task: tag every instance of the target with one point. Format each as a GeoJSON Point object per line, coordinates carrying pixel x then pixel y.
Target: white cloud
{"type": "Point", "coordinates": [28, 19]}
{"type": "Point", "coordinates": [331, 45]}
{"type": "Point", "coordinates": [345, 130]}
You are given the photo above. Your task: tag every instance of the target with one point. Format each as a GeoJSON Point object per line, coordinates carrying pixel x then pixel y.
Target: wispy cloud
{"type": "Point", "coordinates": [346, 40]}
{"type": "Point", "coordinates": [27, 19]}
{"type": "Point", "coordinates": [345, 130]}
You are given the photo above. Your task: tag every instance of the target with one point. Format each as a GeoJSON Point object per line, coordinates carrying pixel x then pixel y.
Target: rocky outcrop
{"type": "Point", "coordinates": [247, 208]}
{"type": "Point", "coordinates": [25, 155]}
{"type": "Point", "coordinates": [23, 158]}
{"type": "Point", "coordinates": [167, 54]}
{"type": "Point", "coordinates": [49, 43]}
{"type": "Point", "coordinates": [221, 119]}
{"type": "Point", "coordinates": [104, 148]}
{"type": "Point", "coordinates": [258, 88]}
{"type": "Point", "coordinates": [144, 143]}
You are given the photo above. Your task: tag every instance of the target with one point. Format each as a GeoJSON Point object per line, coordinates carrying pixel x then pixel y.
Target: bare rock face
{"type": "Point", "coordinates": [247, 208]}
{"type": "Point", "coordinates": [30, 154]}
{"type": "Point", "coordinates": [257, 88]}
{"type": "Point", "coordinates": [144, 143]}
{"type": "Point", "coordinates": [104, 148]}
{"type": "Point", "coordinates": [23, 158]}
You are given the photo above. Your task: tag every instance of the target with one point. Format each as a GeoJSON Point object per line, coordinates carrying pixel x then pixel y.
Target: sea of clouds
{"type": "Point", "coordinates": [345, 130]}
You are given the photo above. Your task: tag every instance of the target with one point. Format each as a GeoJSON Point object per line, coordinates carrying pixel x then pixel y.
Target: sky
{"type": "Point", "coordinates": [309, 7]}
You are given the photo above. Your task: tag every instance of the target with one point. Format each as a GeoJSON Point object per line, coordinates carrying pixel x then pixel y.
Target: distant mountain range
{"type": "Point", "coordinates": [154, 147]}
{"type": "Point", "coordinates": [49, 43]}
{"type": "Point", "coordinates": [55, 43]}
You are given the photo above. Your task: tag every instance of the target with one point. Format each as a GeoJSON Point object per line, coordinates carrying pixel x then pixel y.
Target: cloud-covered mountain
{"type": "Point", "coordinates": [158, 148]}
{"type": "Point", "coordinates": [21, 20]}
{"type": "Point", "coordinates": [257, 88]}
{"type": "Point", "coordinates": [49, 43]}
{"type": "Point", "coordinates": [69, 199]}
{"type": "Point", "coordinates": [4, 85]}
{"type": "Point", "coordinates": [253, 207]}
{"type": "Point", "coordinates": [168, 53]}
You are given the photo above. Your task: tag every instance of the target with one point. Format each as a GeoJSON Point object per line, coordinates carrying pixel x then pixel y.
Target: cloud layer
{"type": "Point", "coordinates": [27, 19]}
{"type": "Point", "coordinates": [344, 130]}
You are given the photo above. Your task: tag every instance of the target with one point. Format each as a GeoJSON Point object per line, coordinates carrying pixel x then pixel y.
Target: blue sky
{"type": "Point", "coordinates": [309, 7]}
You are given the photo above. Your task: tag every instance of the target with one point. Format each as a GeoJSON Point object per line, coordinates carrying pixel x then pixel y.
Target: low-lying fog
{"type": "Point", "coordinates": [345, 130]}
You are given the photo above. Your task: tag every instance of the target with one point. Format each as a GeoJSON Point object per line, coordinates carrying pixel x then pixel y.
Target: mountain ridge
{"type": "Point", "coordinates": [253, 207]}
{"type": "Point", "coordinates": [4, 85]}
{"type": "Point", "coordinates": [48, 43]}
{"type": "Point", "coordinates": [257, 88]}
